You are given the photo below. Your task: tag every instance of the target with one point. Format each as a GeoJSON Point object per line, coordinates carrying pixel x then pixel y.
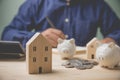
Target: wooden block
{"type": "Point", "coordinates": [79, 50]}
{"type": "Point", "coordinates": [38, 55]}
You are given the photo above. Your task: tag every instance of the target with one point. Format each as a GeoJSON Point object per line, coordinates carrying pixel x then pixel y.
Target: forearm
{"type": "Point", "coordinates": [15, 35]}
{"type": "Point", "coordinates": [108, 40]}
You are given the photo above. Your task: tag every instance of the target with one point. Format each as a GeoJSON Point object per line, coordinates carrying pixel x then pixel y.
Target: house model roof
{"type": "Point", "coordinates": [92, 41]}
{"type": "Point", "coordinates": [36, 36]}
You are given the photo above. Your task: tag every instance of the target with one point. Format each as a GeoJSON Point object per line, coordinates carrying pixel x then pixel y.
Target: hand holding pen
{"type": "Point", "coordinates": [52, 34]}
{"type": "Point", "coordinates": [53, 26]}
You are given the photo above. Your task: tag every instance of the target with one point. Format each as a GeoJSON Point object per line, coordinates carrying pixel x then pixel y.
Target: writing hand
{"type": "Point", "coordinates": [52, 35]}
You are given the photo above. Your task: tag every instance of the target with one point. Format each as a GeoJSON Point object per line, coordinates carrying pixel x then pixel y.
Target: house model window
{"type": "Point", "coordinates": [45, 59]}
{"type": "Point", "coordinates": [34, 48]}
{"type": "Point", "coordinates": [34, 59]}
{"type": "Point", "coordinates": [46, 48]}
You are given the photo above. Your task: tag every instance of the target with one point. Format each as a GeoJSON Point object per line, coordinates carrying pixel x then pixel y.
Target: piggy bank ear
{"type": "Point", "coordinates": [97, 44]}
{"type": "Point", "coordinates": [72, 41]}
{"type": "Point", "coordinates": [60, 40]}
{"type": "Point", "coordinates": [111, 44]}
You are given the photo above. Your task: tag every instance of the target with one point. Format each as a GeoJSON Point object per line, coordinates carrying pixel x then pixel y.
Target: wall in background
{"type": "Point", "coordinates": [8, 9]}
{"type": "Point", "coordinates": [115, 5]}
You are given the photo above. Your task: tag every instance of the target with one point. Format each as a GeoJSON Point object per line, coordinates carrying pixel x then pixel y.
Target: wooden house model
{"type": "Point", "coordinates": [38, 55]}
{"type": "Point", "coordinates": [91, 48]}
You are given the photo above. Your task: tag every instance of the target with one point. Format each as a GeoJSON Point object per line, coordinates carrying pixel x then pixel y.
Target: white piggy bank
{"type": "Point", "coordinates": [108, 55]}
{"type": "Point", "coordinates": [66, 48]}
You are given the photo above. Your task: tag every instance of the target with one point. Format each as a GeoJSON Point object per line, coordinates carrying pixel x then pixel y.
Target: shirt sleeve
{"type": "Point", "coordinates": [21, 27]}
{"type": "Point", "coordinates": [110, 23]}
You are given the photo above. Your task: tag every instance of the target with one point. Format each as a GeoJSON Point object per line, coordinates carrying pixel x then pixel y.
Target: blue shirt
{"type": "Point", "coordinates": [78, 20]}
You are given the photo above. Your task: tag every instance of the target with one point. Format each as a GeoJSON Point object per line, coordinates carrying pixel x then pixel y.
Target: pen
{"type": "Point", "coordinates": [50, 22]}
{"type": "Point", "coordinates": [53, 26]}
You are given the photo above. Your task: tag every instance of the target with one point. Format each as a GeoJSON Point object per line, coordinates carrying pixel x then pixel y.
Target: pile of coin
{"type": "Point", "coordinates": [79, 64]}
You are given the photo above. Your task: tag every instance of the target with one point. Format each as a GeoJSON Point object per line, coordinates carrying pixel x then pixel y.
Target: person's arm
{"type": "Point", "coordinates": [108, 40]}
{"type": "Point", "coordinates": [22, 25]}
{"type": "Point", "coordinates": [20, 29]}
{"type": "Point", "coordinates": [110, 25]}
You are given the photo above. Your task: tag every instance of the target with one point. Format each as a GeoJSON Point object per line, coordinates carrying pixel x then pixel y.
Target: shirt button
{"type": "Point", "coordinates": [68, 0]}
{"type": "Point", "coordinates": [67, 20]}
{"type": "Point", "coordinates": [68, 4]}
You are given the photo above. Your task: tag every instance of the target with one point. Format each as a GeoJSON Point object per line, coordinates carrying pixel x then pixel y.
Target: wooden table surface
{"type": "Point", "coordinates": [16, 70]}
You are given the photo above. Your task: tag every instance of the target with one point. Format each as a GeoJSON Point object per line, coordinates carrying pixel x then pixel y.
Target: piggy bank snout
{"type": "Point", "coordinates": [65, 50]}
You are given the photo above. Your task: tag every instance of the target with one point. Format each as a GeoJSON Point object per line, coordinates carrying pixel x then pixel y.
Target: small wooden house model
{"type": "Point", "coordinates": [38, 55]}
{"type": "Point", "coordinates": [91, 48]}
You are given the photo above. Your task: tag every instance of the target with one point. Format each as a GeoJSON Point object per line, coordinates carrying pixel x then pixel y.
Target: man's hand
{"type": "Point", "coordinates": [52, 35]}
{"type": "Point", "coordinates": [107, 40]}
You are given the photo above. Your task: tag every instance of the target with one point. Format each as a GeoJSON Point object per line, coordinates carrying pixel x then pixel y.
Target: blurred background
{"type": "Point", "coordinates": [9, 8]}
